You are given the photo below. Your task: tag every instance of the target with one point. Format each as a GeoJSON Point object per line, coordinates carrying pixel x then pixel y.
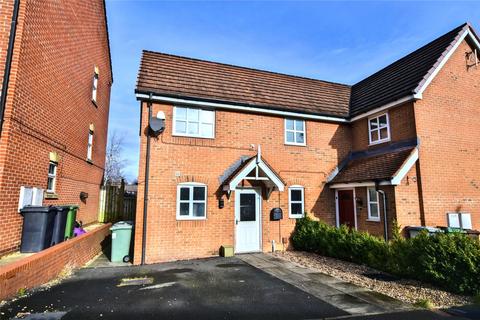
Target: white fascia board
{"type": "Point", "coordinates": [272, 176]}
{"type": "Point", "coordinates": [420, 89]}
{"type": "Point", "coordinates": [142, 96]}
{"type": "Point", "coordinates": [407, 165]}
{"type": "Point", "coordinates": [248, 168]}
{"type": "Point", "coordinates": [386, 106]}
{"type": "Point", "coordinates": [357, 185]}
{"type": "Point", "coordinates": [242, 174]}
{"type": "Point", "coordinates": [333, 174]}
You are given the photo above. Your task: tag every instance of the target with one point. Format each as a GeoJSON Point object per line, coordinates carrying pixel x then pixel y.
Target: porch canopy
{"type": "Point", "coordinates": [252, 169]}
{"type": "Point", "coordinates": [386, 166]}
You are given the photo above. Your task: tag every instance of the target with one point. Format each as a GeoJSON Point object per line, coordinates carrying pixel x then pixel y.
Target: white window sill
{"type": "Point", "coordinates": [190, 219]}
{"type": "Point", "coordinates": [378, 142]}
{"type": "Point", "coordinates": [190, 136]}
{"type": "Point", "coordinates": [373, 220]}
{"type": "Point", "coordinates": [295, 217]}
{"type": "Point", "coordinates": [295, 144]}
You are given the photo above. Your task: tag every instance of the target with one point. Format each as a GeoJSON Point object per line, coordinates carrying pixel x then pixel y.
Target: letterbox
{"type": "Point", "coordinates": [276, 214]}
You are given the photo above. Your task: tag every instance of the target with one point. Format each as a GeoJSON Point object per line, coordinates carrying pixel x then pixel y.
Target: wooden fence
{"type": "Point", "coordinates": [115, 204]}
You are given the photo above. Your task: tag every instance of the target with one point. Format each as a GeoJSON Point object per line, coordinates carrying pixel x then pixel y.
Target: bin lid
{"type": "Point", "coordinates": [121, 225]}
{"type": "Point", "coordinates": [420, 228]}
{"type": "Point", "coordinates": [37, 209]}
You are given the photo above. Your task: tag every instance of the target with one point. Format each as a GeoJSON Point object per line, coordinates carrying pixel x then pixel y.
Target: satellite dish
{"type": "Point", "coordinates": [157, 125]}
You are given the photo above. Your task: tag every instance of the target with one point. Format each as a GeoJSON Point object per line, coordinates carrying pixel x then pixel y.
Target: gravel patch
{"type": "Point", "coordinates": [409, 291]}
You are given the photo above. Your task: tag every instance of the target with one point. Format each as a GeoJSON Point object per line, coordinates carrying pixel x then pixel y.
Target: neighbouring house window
{"type": "Point", "coordinates": [296, 201]}
{"type": "Point", "coordinates": [373, 209]}
{"type": "Point", "coordinates": [191, 201]}
{"type": "Point", "coordinates": [95, 86]}
{"type": "Point", "coordinates": [295, 132]}
{"type": "Point", "coordinates": [379, 130]}
{"type": "Point", "coordinates": [90, 145]}
{"type": "Point", "coordinates": [193, 122]}
{"type": "Point", "coordinates": [52, 177]}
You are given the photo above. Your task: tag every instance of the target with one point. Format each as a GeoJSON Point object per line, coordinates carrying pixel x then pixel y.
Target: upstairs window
{"type": "Point", "coordinates": [90, 145]}
{"type": "Point", "coordinates": [52, 177]}
{"type": "Point", "coordinates": [193, 122]}
{"type": "Point", "coordinates": [95, 85]}
{"type": "Point", "coordinates": [379, 129]}
{"type": "Point", "coordinates": [191, 201]}
{"type": "Point", "coordinates": [296, 203]}
{"type": "Point", "coordinates": [295, 132]}
{"type": "Point", "coordinates": [373, 211]}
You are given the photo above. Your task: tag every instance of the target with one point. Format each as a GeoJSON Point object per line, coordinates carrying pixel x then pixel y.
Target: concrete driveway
{"type": "Point", "coordinates": [215, 288]}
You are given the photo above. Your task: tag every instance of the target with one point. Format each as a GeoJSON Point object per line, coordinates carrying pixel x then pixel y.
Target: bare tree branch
{"type": "Point", "coordinates": [115, 163]}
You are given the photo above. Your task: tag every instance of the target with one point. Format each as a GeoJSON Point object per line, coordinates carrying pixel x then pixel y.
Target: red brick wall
{"type": "Point", "coordinates": [448, 127]}
{"type": "Point", "coordinates": [375, 227]}
{"type": "Point", "coordinates": [408, 200]}
{"type": "Point", "coordinates": [6, 11]}
{"type": "Point", "coordinates": [44, 266]}
{"type": "Point", "coordinates": [204, 160]}
{"type": "Point", "coordinates": [49, 108]}
{"type": "Point", "coordinates": [402, 127]}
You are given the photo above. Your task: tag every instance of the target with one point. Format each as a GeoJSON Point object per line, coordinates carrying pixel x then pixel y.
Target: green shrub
{"type": "Point", "coordinates": [451, 261]}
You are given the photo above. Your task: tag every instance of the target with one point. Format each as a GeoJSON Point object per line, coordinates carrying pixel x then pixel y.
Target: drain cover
{"type": "Point", "coordinates": [135, 281]}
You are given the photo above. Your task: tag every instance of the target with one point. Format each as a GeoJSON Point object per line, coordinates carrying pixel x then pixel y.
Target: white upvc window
{"type": "Point", "coordinates": [373, 208]}
{"type": "Point", "coordinates": [193, 122]}
{"type": "Point", "coordinates": [90, 145]}
{"type": "Point", "coordinates": [95, 85]}
{"type": "Point", "coordinates": [296, 202]}
{"type": "Point", "coordinates": [379, 129]}
{"type": "Point", "coordinates": [191, 201]}
{"type": "Point", "coordinates": [295, 132]}
{"type": "Point", "coordinates": [52, 177]}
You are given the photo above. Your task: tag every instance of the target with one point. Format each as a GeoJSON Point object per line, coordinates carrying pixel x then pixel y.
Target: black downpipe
{"type": "Point", "coordinates": [145, 195]}
{"type": "Point", "coordinates": [8, 62]}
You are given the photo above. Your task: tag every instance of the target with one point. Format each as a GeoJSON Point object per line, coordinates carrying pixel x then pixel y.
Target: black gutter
{"type": "Point", "coordinates": [147, 172]}
{"type": "Point", "coordinates": [8, 62]}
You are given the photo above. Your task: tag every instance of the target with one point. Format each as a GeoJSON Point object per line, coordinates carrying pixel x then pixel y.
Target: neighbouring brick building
{"type": "Point", "coordinates": [228, 144]}
{"type": "Point", "coordinates": [56, 76]}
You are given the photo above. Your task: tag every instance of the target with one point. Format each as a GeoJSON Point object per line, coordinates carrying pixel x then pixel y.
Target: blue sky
{"type": "Point", "coordinates": [336, 41]}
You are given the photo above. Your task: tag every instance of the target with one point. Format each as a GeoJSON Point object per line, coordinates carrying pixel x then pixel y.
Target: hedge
{"type": "Point", "coordinates": [450, 261]}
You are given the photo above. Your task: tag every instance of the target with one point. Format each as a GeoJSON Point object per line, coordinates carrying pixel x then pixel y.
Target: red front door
{"type": "Point", "coordinates": [346, 208]}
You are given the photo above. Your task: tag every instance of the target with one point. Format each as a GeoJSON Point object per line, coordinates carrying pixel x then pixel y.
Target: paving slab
{"type": "Point", "coordinates": [354, 299]}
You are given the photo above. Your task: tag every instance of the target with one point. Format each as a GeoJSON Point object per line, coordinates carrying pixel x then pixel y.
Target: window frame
{"type": "Point", "coordinates": [52, 176]}
{"type": "Point", "coordinates": [186, 134]}
{"type": "Point", "coordinates": [369, 202]}
{"type": "Point", "coordinates": [294, 130]}
{"type": "Point", "coordinates": [371, 130]}
{"type": "Point", "coordinates": [90, 145]}
{"type": "Point", "coordinates": [290, 214]}
{"type": "Point", "coordinates": [95, 87]}
{"type": "Point", "coordinates": [190, 201]}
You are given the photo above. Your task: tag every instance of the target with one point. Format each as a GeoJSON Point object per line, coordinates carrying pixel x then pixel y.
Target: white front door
{"type": "Point", "coordinates": [247, 220]}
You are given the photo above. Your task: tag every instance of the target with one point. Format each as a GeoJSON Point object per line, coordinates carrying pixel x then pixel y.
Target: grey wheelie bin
{"type": "Point", "coordinates": [37, 228]}
{"type": "Point", "coordinates": [59, 224]}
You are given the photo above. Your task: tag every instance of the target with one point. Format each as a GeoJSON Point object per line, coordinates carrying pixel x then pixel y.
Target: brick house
{"type": "Point", "coordinates": [56, 80]}
{"type": "Point", "coordinates": [401, 145]}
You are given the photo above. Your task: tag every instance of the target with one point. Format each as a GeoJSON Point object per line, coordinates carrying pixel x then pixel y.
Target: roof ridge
{"type": "Point", "coordinates": [245, 68]}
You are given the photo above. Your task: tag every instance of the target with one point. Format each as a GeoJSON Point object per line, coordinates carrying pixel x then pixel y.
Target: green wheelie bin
{"type": "Point", "coordinates": [121, 236]}
{"type": "Point", "coordinates": [71, 218]}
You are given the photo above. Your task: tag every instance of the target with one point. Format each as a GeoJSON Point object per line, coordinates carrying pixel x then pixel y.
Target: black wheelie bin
{"type": "Point", "coordinates": [37, 228]}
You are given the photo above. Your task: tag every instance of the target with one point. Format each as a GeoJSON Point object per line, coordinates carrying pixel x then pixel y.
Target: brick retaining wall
{"type": "Point", "coordinates": [44, 266]}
